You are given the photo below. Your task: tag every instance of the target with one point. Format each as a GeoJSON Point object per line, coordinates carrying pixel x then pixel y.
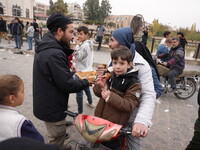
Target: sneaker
{"type": "Point", "coordinates": [90, 105]}
{"type": "Point", "coordinates": [174, 91]}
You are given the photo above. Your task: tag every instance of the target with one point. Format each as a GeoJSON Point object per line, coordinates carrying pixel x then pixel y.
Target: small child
{"type": "Point", "coordinates": [13, 124]}
{"type": "Point", "coordinates": [120, 94]}
{"type": "Point", "coordinates": [83, 62]}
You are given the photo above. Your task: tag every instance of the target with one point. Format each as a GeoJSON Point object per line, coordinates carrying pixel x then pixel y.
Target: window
{"type": "Point", "coordinates": [16, 10]}
{"type": "Point", "coordinates": [1, 8]}
{"type": "Point", "coordinates": [27, 13]}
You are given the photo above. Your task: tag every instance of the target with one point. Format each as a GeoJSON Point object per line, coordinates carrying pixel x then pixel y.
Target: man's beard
{"type": "Point", "coordinates": [64, 40]}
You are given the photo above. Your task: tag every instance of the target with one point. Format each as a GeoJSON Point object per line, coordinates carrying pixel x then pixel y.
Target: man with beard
{"type": "Point", "coordinates": [52, 79]}
{"type": "Point", "coordinates": [176, 63]}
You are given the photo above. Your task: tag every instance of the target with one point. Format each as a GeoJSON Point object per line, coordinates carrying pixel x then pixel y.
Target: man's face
{"type": "Point", "coordinates": [174, 43]}
{"type": "Point", "coordinates": [68, 34]}
{"type": "Point", "coordinates": [113, 43]}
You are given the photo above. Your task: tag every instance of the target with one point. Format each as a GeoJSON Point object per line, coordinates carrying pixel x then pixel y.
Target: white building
{"type": "Point", "coordinates": [16, 8]}
{"type": "Point", "coordinates": [75, 12]}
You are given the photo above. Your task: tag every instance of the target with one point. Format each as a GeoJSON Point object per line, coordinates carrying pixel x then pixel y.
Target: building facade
{"type": "Point", "coordinates": [40, 11]}
{"type": "Point", "coordinates": [23, 9]}
{"type": "Point", "coordinates": [75, 12]}
{"type": "Point", "coordinates": [119, 20]}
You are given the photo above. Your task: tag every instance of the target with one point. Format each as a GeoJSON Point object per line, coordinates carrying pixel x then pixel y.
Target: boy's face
{"type": "Point", "coordinates": [120, 66]}
{"type": "Point", "coordinates": [82, 36]}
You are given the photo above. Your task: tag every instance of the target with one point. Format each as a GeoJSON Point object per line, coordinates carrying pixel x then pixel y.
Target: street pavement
{"type": "Point", "coordinates": [173, 119]}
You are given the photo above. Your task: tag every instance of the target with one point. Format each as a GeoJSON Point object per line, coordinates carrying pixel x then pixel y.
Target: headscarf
{"type": "Point", "coordinates": [125, 37]}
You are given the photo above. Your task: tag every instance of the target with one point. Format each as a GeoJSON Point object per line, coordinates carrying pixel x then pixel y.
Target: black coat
{"type": "Point", "coordinates": [3, 26]}
{"type": "Point", "coordinates": [52, 80]}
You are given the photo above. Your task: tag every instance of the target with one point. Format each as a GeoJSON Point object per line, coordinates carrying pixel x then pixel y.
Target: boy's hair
{"type": "Point", "coordinates": [9, 85]}
{"type": "Point", "coordinates": [168, 41]}
{"type": "Point", "coordinates": [122, 52]}
{"type": "Point", "coordinates": [166, 33]}
{"type": "Point", "coordinates": [84, 29]}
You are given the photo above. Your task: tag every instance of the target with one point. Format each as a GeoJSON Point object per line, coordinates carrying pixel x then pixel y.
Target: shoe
{"type": "Point", "coordinates": [90, 105]}
{"type": "Point", "coordinates": [69, 123]}
{"type": "Point", "coordinates": [66, 136]}
{"type": "Point", "coordinates": [174, 90]}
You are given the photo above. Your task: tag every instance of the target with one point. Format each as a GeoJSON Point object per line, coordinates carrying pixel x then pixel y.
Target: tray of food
{"type": "Point", "coordinates": [89, 75]}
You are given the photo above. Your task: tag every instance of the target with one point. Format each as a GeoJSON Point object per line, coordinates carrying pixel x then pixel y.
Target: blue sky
{"type": "Point", "coordinates": [179, 13]}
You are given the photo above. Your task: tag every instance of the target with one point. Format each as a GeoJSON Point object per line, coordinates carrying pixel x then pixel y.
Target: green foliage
{"type": "Point", "coordinates": [58, 7]}
{"type": "Point", "coordinates": [111, 24]}
{"type": "Point", "coordinates": [95, 12]}
{"type": "Point", "coordinates": [190, 34]}
{"type": "Point", "coordinates": [92, 22]}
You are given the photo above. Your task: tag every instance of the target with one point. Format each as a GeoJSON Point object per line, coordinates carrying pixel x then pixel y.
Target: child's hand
{"type": "Point", "coordinates": [105, 94]}
{"type": "Point", "coordinates": [101, 81]}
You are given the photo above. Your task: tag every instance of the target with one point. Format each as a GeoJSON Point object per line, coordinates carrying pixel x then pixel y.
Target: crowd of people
{"type": "Point", "coordinates": [127, 97]}
{"type": "Point", "coordinates": [17, 31]}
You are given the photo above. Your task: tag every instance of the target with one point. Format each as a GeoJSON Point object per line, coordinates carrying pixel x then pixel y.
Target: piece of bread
{"type": "Point", "coordinates": [107, 75]}
{"type": "Point", "coordinates": [89, 75]}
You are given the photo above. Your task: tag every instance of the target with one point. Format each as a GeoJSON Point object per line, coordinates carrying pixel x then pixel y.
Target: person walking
{"type": "Point", "coordinates": [3, 30]}
{"type": "Point", "coordinates": [100, 30]}
{"type": "Point", "coordinates": [36, 27]}
{"type": "Point", "coordinates": [30, 35]}
{"type": "Point", "coordinates": [16, 32]}
{"type": "Point", "coordinates": [52, 79]}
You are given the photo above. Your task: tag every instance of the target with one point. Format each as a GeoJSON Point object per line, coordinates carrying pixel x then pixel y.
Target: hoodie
{"type": "Point", "coordinates": [52, 79]}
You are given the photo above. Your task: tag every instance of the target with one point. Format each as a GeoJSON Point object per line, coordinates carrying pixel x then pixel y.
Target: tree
{"type": "Point", "coordinates": [95, 12]}
{"type": "Point", "coordinates": [91, 9]}
{"type": "Point", "coordinates": [104, 10]}
{"type": "Point", "coordinates": [58, 7]}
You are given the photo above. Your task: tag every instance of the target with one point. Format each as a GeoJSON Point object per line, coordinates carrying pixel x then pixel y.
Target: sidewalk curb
{"type": "Point", "coordinates": [191, 61]}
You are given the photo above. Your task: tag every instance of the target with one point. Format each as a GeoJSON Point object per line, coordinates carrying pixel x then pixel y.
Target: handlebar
{"type": "Point", "coordinates": [125, 131]}
{"type": "Point", "coordinates": [71, 114]}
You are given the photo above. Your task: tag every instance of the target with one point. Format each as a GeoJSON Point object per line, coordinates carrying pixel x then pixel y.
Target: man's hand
{"type": "Point", "coordinates": [164, 63]}
{"type": "Point", "coordinates": [139, 130]}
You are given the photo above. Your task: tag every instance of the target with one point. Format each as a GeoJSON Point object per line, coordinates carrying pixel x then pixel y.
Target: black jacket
{"type": "Point", "coordinates": [52, 79]}
{"type": "Point", "coordinates": [3, 26]}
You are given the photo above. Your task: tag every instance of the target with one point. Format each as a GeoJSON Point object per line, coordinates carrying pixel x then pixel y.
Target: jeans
{"type": "Point", "coordinates": [17, 40]}
{"type": "Point", "coordinates": [157, 87]}
{"type": "Point", "coordinates": [79, 99]}
{"type": "Point", "coordinates": [195, 142]}
{"type": "Point", "coordinates": [172, 74]}
{"type": "Point", "coordinates": [99, 39]}
{"type": "Point", "coordinates": [30, 42]}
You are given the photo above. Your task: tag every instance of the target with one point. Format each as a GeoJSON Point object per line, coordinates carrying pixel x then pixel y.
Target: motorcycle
{"type": "Point", "coordinates": [185, 82]}
{"type": "Point", "coordinates": [96, 130]}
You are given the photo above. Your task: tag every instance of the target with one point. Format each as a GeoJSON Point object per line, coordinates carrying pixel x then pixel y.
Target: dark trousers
{"type": "Point", "coordinates": [113, 144]}
{"type": "Point", "coordinates": [195, 142]}
{"type": "Point", "coordinates": [99, 39]}
{"type": "Point", "coordinates": [79, 99]}
{"type": "Point", "coordinates": [172, 74]}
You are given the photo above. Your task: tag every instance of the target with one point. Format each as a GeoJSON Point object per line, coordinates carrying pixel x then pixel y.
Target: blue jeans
{"type": "Point", "coordinates": [157, 87]}
{"type": "Point", "coordinates": [99, 39]}
{"type": "Point", "coordinates": [30, 41]}
{"type": "Point", "coordinates": [79, 99]}
{"type": "Point", "coordinates": [17, 40]}
{"type": "Point", "coordinates": [172, 74]}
